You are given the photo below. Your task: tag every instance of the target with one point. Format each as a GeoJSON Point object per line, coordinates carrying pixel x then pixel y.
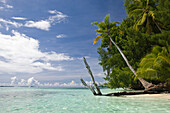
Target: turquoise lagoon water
{"type": "Point", "coordinates": [75, 100]}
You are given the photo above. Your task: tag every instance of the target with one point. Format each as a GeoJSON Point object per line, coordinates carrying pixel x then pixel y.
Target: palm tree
{"type": "Point", "coordinates": [143, 13]}
{"type": "Point", "coordinates": [156, 65]}
{"type": "Point", "coordinates": [105, 26]}
{"type": "Point", "coordinates": [104, 29]}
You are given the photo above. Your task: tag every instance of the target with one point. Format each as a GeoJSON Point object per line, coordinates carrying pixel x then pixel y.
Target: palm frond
{"type": "Point", "coordinates": [97, 39]}
{"type": "Point", "coordinates": [99, 31]}
{"type": "Point", "coordinates": [147, 2]}
{"type": "Point", "coordinates": [95, 23]}
{"type": "Point", "coordinates": [135, 12]}
{"type": "Point", "coordinates": [151, 14]}
{"type": "Point", "coordinates": [106, 20]}
{"type": "Point", "coordinates": [164, 58]}
{"type": "Point", "coordinates": [144, 17]}
{"type": "Point", "coordinates": [156, 49]}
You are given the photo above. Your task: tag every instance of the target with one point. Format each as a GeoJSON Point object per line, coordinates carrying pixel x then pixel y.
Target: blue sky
{"type": "Point", "coordinates": [46, 39]}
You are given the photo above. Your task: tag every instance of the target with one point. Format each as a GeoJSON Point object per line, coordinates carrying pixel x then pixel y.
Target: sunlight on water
{"type": "Point", "coordinates": [65, 100]}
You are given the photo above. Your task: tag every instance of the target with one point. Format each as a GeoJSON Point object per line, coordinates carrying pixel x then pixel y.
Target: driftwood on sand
{"type": "Point", "coordinates": [89, 86]}
{"type": "Point", "coordinates": [154, 89]}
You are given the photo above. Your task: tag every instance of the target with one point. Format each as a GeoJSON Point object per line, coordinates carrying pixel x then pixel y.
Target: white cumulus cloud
{"type": "Point", "coordinates": [20, 53]}
{"type": "Point", "coordinates": [5, 5]}
{"type": "Point", "coordinates": [9, 6]}
{"type": "Point", "coordinates": [1, 8]}
{"type": "Point", "coordinates": [45, 24]}
{"type": "Point", "coordinates": [55, 12]}
{"type": "Point", "coordinates": [61, 36]}
{"type": "Point", "coordinates": [58, 17]}
{"type": "Point", "coordinates": [42, 24]}
{"type": "Point", "coordinates": [19, 18]}
{"type": "Point", "coordinates": [3, 1]}
{"type": "Point", "coordinates": [7, 23]}
{"type": "Point", "coordinates": [13, 80]}
{"type": "Point", "coordinates": [32, 82]}
{"type": "Point", "coordinates": [71, 84]}
{"type": "Point", "coordinates": [22, 82]}
{"type": "Point", "coordinates": [10, 22]}
{"type": "Point", "coordinates": [52, 11]}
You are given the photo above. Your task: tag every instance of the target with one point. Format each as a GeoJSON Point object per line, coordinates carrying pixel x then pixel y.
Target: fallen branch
{"type": "Point", "coordinates": [94, 83]}
{"type": "Point", "coordinates": [89, 87]}
{"type": "Point", "coordinates": [132, 93]}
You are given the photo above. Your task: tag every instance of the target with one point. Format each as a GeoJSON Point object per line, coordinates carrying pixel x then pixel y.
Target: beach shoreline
{"type": "Point", "coordinates": [163, 95]}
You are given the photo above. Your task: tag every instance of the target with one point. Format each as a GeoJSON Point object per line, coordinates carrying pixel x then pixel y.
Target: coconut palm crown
{"type": "Point", "coordinates": [143, 13]}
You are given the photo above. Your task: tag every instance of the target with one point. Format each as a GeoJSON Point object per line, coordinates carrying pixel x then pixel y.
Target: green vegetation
{"type": "Point", "coordinates": [155, 65]}
{"type": "Point", "coordinates": [143, 37]}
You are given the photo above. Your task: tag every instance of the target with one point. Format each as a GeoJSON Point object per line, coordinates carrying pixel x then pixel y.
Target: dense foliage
{"type": "Point", "coordinates": [144, 38]}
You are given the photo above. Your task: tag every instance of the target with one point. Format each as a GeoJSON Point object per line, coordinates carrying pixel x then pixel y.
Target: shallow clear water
{"type": "Point", "coordinates": [65, 100]}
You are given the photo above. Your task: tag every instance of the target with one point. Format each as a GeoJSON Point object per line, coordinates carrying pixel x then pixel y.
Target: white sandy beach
{"type": "Point", "coordinates": [166, 95]}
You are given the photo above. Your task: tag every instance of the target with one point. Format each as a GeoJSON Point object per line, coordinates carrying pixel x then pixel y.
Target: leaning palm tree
{"type": "Point", "coordinates": [104, 29]}
{"type": "Point", "coordinates": [143, 13]}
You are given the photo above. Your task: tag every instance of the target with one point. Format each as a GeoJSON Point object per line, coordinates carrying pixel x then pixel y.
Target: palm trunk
{"type": "Point", "coordinates": [144, 83]}
{"type": "Point", "coordinates": [110, 44]}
